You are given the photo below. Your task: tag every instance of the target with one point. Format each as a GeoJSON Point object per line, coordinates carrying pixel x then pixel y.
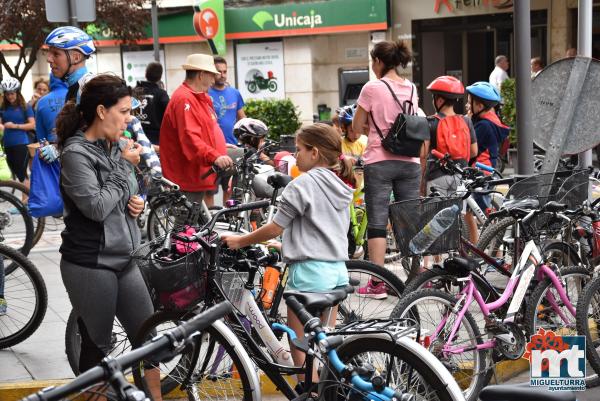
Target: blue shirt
{"type": "Point", "coordinates": [487, 139]}
{"type": "Point", "coordinates": [226, 103]}
{"type": "Point", "coordinates": [15, 114]}
{"type": "Point", "coordinates": [47, 109]}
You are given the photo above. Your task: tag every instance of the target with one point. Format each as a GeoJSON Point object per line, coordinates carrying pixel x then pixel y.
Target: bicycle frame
{"type": "Point", "coordinates": [529, 263]}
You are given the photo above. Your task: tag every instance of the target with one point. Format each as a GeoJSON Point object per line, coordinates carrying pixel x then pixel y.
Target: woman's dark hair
{"type": "Point", "coordinates": [105, 90]}
{"type": "Point", "coordinates": [391, 54]}
{"type": "Point", "coordinates": [20, 102]}
{"type": "Point", "coordinates": [154, 72]}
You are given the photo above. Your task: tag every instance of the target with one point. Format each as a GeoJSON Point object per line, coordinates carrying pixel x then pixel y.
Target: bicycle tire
{"type": "Point", "coordinates": [181, 369]}
{"type": "Point", "coordinates": [31, 273]}
{"type": "Point", "coordinates": [171, 380]}
{"type": "Point", "coordinates": [352, 308]}
{"type": "Point", "coordinates": [39, 223]}
{"type": "Point", "coordinates": [6, 218]}
{"type": "Point", "coordinates": [586, 324]}
{"type": "Point", "coordinates": [119, 341]}
{"type": "Point", "coordinates": [410, 363]}
{"type": "Point", "coordinates": [481, 374]}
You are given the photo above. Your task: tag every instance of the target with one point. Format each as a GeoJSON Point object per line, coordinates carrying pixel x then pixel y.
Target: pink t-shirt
{"type": "Point", "coordinates": [375, 97]}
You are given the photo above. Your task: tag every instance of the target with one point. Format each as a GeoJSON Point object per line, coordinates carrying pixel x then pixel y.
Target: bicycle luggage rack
{"type": "Point", "coordinates": [395, 328]}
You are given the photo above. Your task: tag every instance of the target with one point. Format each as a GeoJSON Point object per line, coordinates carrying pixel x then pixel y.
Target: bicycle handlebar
{"type": "Point", "coordinates": [484, 167]}
{"type": "Point", "coordinates": [169, 341]}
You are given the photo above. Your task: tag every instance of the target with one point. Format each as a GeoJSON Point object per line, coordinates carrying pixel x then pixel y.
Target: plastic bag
{"type": "Point", "coordinates": [44, 195]}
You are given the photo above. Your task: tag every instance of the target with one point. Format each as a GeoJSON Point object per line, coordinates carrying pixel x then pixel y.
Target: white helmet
{"type": "Point", "coordinates": [71, 38]}
{"type": "Point", "coordinates": [10, 84]}
{"type": "Point", "coordinates": [250, 128]}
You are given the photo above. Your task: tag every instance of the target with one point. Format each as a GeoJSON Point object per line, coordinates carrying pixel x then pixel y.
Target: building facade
{"type": "Point", "coordinates": [317, 53]}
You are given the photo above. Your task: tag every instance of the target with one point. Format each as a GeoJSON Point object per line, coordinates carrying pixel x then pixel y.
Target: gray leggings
{"type": "Point", "coordinates": [97, 296]}
{"type": "Point", "coordinates": [381, 178]}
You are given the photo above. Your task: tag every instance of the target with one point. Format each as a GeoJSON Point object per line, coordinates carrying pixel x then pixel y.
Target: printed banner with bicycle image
{"type": "Point", "coordinates": [260, 71]}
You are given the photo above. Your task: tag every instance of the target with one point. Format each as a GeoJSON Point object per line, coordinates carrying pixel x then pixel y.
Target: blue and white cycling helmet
{"type": "Point", "coordinates": [485, 92]}
{"type": "Point", "coordinates": [71, 38]}
{"type": "Point", "coordinates": [346, 114]}
{"type": "Point", "coordinates": [10, 84]}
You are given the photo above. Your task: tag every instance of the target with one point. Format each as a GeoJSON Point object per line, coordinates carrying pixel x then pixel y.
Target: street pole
{"type": "Point", "coordinates": [584, 48]}
{"type": "Point", "coordinates": [72, 13]}
{"type": "Point", "coordinates": [522, 26]}
{"type": "Point", "coordinates": [155, 31]}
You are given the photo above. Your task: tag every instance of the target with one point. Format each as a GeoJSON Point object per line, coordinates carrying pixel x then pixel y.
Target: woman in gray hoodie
{"type": "Point", "coordinates": [101, 204]}
{"type": "Point", "coordinates": [313, 217]}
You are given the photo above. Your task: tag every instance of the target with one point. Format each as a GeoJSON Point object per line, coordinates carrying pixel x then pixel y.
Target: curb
{"type": "Point", "coordinates": [14, 391]}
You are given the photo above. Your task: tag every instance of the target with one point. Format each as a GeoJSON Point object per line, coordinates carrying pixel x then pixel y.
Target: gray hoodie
{"type": "Point", "coordinates": [96, 184]}
{"type": "Point", "coordinates": [314, 214]}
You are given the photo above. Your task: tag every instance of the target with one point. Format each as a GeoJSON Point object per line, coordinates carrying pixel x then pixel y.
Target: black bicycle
{"type": "Point", "coordinates": [109, 374]}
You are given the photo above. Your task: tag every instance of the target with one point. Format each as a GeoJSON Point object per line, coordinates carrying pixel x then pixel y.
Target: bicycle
{"type": "Point", "coordinates": [26, 295]}
{"type": "Point", "coordinates": [110, 371]}
{"type": "Point", "coordinates": [507, 318]}
{"type": "Point", "coordinates": [252, 329]}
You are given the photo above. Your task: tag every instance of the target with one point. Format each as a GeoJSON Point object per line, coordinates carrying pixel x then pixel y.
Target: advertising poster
{"type": "Point", "coordinates": [260, 72]}
{"type": "Point", "coordinates": [135, 63]}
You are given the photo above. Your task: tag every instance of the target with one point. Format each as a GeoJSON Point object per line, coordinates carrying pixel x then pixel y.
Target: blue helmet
{"type": "Point", "coordinates": [71, 38]}
{"type": "Point", "coordinates": [346, 114]}
{"type": "Point", "coordinates": [486, 92]}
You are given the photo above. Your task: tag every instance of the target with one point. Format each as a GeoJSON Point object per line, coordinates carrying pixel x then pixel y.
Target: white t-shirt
{"type": "Point", "coordinates": [498, 76]}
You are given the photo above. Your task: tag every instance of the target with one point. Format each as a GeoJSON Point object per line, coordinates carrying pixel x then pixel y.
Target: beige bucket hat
{"type": "Point", "coordinates": [202, 62]}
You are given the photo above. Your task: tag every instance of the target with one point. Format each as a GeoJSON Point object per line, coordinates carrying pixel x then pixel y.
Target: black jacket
{"type": "Point", "coordinates": [154, 103]}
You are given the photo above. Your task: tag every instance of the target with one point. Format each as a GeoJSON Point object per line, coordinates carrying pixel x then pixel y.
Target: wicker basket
{"type": "Point", "coordinates": [409, 217]}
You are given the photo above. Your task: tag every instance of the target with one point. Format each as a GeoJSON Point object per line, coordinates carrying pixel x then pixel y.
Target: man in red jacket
{"type": "Point", "coordinates": [190, 138]}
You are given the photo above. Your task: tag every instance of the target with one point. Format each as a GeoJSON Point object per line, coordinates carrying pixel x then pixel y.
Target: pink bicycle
{"type": "Point", "coordinates": [471, 338]}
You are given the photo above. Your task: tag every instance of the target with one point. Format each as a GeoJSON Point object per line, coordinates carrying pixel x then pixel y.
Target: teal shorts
{"type": "Point", "coordinates": [317, 276]}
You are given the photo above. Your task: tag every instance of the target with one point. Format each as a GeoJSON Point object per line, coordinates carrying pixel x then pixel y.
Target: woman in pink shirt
{"type": "Point", "coordinates": [384, 171]}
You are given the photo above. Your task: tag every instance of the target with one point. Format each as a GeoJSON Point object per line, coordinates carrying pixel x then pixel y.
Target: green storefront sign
{"type": "Point", "coordinates": [306, 18]}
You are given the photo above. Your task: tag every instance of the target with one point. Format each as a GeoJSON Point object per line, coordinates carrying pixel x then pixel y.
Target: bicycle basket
{"type": "Point", "coordinates": [170, 270]}
{"type": "Point", "coordinates": [410, 217]}
{"type": "Point", "coordinates": [572, 189]}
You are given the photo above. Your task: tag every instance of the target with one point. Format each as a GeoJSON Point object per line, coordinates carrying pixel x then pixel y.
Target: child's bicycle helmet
{"type": "Point", "coordinates": [346, 114]}
{"type": "Point", "coordinates": [249, 131]}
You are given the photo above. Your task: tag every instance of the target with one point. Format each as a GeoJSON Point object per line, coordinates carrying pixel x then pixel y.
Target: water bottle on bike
{"type": "Point", "coordinates": [441, 222]}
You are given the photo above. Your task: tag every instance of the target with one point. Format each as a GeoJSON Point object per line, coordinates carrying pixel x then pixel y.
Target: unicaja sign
{"type": "Point", "coordinates": [293, 20]}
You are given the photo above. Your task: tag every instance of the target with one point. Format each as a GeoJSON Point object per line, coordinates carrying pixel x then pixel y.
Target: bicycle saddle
{"type": "Point", "coordinates": [317, 302]}
{"type": "Point", "coordinates": [509, 392]}
{"type": "Point", "coordinates": [460, 266]}
{"type": "Point", "coordinates": [279, 180]}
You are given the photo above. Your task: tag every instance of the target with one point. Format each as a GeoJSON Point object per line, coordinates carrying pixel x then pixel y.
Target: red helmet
{"type": "Point", "coordinates": [447, 86]}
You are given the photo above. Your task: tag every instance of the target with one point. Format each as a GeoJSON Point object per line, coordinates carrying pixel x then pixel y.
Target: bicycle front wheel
{"type": "Point", "coordinates": [26, 297]}
{"type": "Point", "coordinates": [435, 313]}
{"type": "Point", "coordinates": [403, 368]}
{"type": "Point", "coordinates": [19, 190]}
{"type": "Point", "coordinates": [16, 225]}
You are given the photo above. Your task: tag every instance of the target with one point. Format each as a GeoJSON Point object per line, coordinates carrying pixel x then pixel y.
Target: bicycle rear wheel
{"type": "Point", "coordinates": [26, 296]}
{"type": "Point", "coordinates": [588, 325]}
{"type": "Point", "coordinates": [364, 306]}
{"type": "Point", "coordinates": [119, 341]}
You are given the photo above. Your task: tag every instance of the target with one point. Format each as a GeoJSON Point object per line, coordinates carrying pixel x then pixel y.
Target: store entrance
{"type": "Point", "coordinates": [466, 47]}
